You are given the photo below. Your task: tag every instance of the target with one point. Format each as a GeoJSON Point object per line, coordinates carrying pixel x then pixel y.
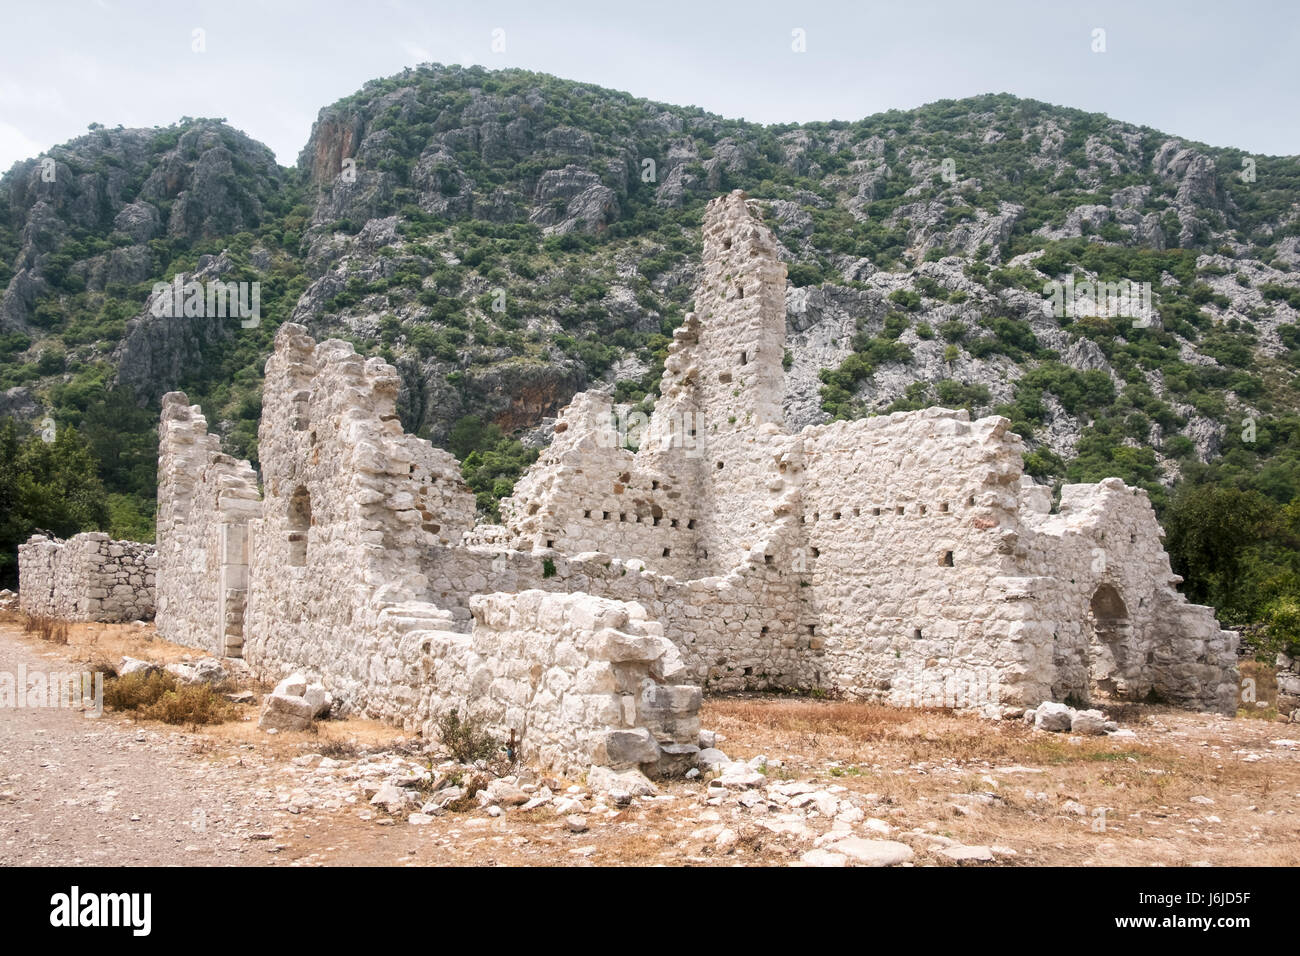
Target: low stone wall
{"type": "Point", "coordinates": [580, 680]}
{"type": "Point", "coordinates": [743, 630]}
{"type": "Point", "coordinates": [1288, 686]}
{"type": "Point", "coordinates": [89, 577]}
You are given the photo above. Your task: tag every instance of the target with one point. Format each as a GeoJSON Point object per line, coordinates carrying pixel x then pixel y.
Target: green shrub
{"type": "Point", "coordinates": [466, 739]}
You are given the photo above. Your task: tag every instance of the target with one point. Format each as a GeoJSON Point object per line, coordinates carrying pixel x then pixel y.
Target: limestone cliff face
{"type": "Point", "coordinates": [192, 182]}
{"type": "Point", "coordinates": [506, 239]}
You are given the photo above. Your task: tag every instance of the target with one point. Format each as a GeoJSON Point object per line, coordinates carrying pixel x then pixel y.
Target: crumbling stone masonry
{"type": "Point", "coordinates": [89, 577]}
{"type": "Point", "coordinates": [205, 500]}
{"type": "Point", "coordinates": [903, 558]}
{"type": "Point", "coordinates": [337, 551]}
{"type": "Point", "coordinates": [1288, 686]}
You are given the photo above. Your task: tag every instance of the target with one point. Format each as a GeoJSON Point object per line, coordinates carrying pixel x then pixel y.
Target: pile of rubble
{"type": "Point", "coordinates": [1064, 719]}
{"type": "Point", "coordinates": [820, 824]}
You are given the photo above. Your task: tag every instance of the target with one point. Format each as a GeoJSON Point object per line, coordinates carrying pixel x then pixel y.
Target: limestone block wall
{"type": "Point", "coordinates": [89, 577]}
{"type": "Point", "coordinates": [740, 381]}
{"type": "Point", "coordinates": [1101, 580]}
{"type": "Point", "coordinates": [910, 523]}
{"type": "Point", "coordinates": [580, 680]}
{"type": "Point", "coordinates": [205, 501]}
{"type": "Point", "coordinates": [589, 493]}
{"type": "Point", "coordinates": [744, 629]}
{"type": "Point", "coordinates": [1288, 685]}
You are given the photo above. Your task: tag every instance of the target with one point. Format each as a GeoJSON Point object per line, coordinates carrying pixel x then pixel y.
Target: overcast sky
{"type": "Point", "coordinates": [1220, 73]}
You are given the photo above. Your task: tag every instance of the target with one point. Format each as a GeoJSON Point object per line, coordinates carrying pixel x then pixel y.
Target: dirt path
{"type": "Point", "coordinates": [76, 790]}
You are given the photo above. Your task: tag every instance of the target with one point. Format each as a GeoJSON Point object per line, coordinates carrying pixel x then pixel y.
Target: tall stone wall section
{"type": "Point", "coordinates": [351, 503]}
{"type": "Point", "coordinates": [89, 577]}
{"type": "Point", "coordinates": [205, 501]}
{"type": "Point", "coordinates": [910, 522]}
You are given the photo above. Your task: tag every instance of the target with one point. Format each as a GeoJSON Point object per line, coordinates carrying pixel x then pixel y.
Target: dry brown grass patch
{"type": "Point", "coordinates": [47, 627]}
{"type": "Point", "coordinates": [853, 719]}
{"type": "Point", "coordinates": [159, 696]}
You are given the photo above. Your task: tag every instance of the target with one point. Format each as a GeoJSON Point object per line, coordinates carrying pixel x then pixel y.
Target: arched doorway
{"type": "Point", "coordinates": [1108, 645]}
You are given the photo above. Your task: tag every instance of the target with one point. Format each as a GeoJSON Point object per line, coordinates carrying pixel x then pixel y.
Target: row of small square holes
{"type": "Point", "coordinates": [636, 518]}
{"type": "Point", "coordinates": [898, 510]}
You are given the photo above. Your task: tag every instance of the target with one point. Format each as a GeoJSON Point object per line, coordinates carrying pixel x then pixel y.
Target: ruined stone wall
{"type": "Point", "coordinates": [744, 629]}
{"type": "Point", "coordinates": [340, 565]}
{"type": "Point", "coordinates": [351, 501]}
{"type": "Point", "coordinates": [741, 306]}
{"type": "Point", "coordinates": [909, 521]}
{"type": "Point", "coordinates": [580, 680]}
{"type": "Point", "coordinates": [1288, 686]}
{"type": "Point", "coordinates": [1100, 578]}
{"type": "Point", "coordinates": [89, 577]}
{"type": "Point", "coordinates": [589, 493]}
{"type": "Point", "coordinates": [205, 501]}
{"type": "Point", "coordinates": [902, 558]}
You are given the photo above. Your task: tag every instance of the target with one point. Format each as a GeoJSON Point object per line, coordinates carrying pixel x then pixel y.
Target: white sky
{"type": "Point", "coordinates": [1216, 72]}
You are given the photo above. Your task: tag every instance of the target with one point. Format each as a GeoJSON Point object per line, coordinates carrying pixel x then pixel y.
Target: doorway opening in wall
{"type": "Point", "coordinates": [299, 526]}
{"type": "Point", "coordinates": [1110, 635]}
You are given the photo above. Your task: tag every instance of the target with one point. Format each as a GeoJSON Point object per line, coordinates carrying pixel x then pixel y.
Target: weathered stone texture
{"type": "Point", "coordinates": [357, 514]}
{"type": "Point", "coordinates": [205, 500]}
{"type": "Point", "coordinates": [1288, 686]}
{"type": "Point", "coordinates": [904, 558]}
{"type": "Point", "coordinates": [89, 577]}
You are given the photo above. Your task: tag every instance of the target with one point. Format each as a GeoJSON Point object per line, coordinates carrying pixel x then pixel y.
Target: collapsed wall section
{"type": "Point", "coordinates": [588, 492]}
{"type": "Point", "coordinates": [205, 501]}
{"type": "Point", "coordinates": [1098, 576]}
{"type": "Point", "coordinates": [339, 587]}
{"type": "Point", "coordinates": [746, 629]}
{"type": "Point", "coordinates": [89, 577]}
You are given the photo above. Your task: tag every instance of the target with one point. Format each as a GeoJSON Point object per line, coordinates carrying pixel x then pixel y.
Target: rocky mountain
{"type": "Point", "coordinates": [508, 238]}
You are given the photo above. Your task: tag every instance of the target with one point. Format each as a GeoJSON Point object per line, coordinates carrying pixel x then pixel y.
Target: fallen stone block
{"type": "Point", "coordinates": [1053, 716]}
{"type": "Point", "coordinates": [130, 665]}
{"type": "Point", "coordinates": [633, 782]}
{"type": "Point", "coordinates": [1090, 722]}
{"type": "Point", "coordinates": [968, 854]}
{"type": "Point", "coordinates": [872, 852]}
{"type": "Point", "coordinates": [320, 699]}
{"type": "Point", "coordinates": [631, 747]}
{"type": "Point", "coordinates": [284, 712]}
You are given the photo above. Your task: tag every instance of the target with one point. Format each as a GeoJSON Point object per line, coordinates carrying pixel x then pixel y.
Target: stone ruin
{"type": "Point", "coordinates": [89, 577]}
{"type": "Point", "coordinates": [904, 558]}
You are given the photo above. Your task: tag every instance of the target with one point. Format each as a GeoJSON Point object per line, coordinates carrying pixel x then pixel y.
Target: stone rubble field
{"type": "Point", "coordinates": [781, 781]}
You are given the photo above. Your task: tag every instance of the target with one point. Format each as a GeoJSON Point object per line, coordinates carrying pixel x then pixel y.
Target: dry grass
{"type": "Point", "coordinates": [159, 696]}
{"type": "Point", "coordinates": [1001, 782]}
{"type": "Point", "coordinates": [47, 627]}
